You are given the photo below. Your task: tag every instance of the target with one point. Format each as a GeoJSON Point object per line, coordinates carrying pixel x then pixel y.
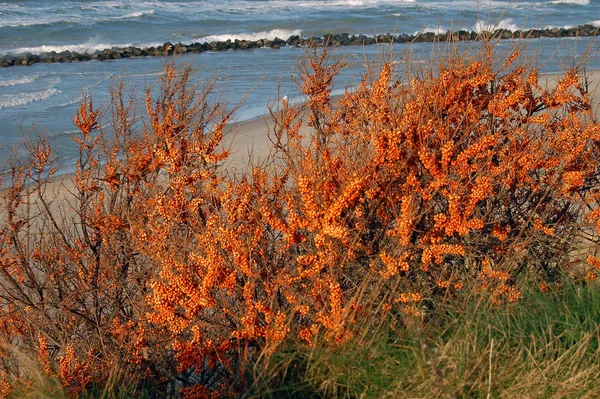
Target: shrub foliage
{"type": "Point", "coordinates": [157, 265]}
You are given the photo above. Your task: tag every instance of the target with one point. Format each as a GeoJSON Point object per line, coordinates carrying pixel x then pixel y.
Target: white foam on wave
{"type": "Point", "coordinates": [145, 75]}
{"type": "Point", "coordinates": [137, 14]}
{"type": "Point", "coordinates": [17, 100]}
{"type": "Point", "coordinates": [15, 82]}
{"type": "Point", "coordinates": [334, 4]}
{"type": "Point", "coordinates": [102, 5]}
{"type": "Point", "coordinates": [491, 26]}
{"type": "Point", "coordinates": [62, 13]}
{"type": "Point", "coordinates": [79, 48]}
{"type": "Point", "coordinates": [269, 35]}
{"type": "Point", "coordinates": [508, 24]}
{"type": "Point", "coordinates": [15, 21]}
{"type": "Point", "coordinates": [427, 29]}
{"type": "Point", "coordinates": [574, 2]}
{"type": "Point", "coordinates": [131, 15]}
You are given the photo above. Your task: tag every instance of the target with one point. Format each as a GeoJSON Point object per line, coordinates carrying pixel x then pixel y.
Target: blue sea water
{"type": "Point", "coordinates": [47, 95]}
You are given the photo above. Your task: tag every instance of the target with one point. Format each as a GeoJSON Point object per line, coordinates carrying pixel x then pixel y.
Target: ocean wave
{"type": "Point", "coordinates": [15, 82]}
{"type": "Point", "coordinates": [145, 75]}
{"type": "Point", "coordinates": [79, 48]}
{"type": "Point", "coordinates": [16, 21]}
{"type": "Point", "coordinates": [73, 101]}
{"type": "Point", "coordinates": [63, 14]}
{"type": "Point", "coordinates": [491, 26]}
{"type": "Point", "coordinates": [508, 24]}
{"type": "Point", "coordinates": [102, 5]}
{"type": "Point", "coordinates": [137, 14]}
{"type": "Point", "coordinates": [84, 90]}
{"type": "Point", "coordinates": [573, 2]}
{"type": "Point", "coordinates": [182, 10]}
{"type": "Point", "coordinates": [17, 100]}
{"type": "Point", "coordinates": [437, 30]}
{"type": "Point", "coordinates": [127, 16]}
{"type": "Point", "coordinates": [269, 35]}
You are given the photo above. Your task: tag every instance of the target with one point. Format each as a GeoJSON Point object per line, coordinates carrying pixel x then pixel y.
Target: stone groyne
{"type": "Point", "coordinates": [342, 39]}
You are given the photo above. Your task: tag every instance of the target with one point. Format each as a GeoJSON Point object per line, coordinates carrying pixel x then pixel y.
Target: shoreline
{"type": "Point", "coordinates": [344, 39]}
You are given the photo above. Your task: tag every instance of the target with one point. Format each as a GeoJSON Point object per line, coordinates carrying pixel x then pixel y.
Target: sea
{"type": "Point", "coordinates": [44, 97]}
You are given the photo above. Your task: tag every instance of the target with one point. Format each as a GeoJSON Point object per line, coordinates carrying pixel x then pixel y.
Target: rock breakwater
{"type": "Point", "coordinates": [343, 39]}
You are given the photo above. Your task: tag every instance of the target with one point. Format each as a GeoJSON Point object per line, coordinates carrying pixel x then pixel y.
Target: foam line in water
{"type": "Point", "coordinates": [269, 35]}
{"type": "Point", "coordinates": [507, 24]}
{"type": "Point", "coordinates": [573, 2]}
{"type": "Point", "coordinates": [15, 82]}
{"type": "Point", "coordinates": [79, 48]}
{"type": "Point", "coordinates": [85, 90]}
{"type": "Point", "coordinates": [17, 100]}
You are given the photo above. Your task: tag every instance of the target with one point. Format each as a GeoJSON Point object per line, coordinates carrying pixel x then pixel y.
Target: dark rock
{"type": "Point", "coordinates": [132, 51]}
{"type": "Point", "coordinates": [196, 48]}
{"type": "Point", "coordinates": [106, 55]}
{"type": "Point", "coordinates": [293, 40]}
{"type": "Point", "coordinates": [426, 37]}
{"type": "Point", "coordinates": [45, 57]}
{"type": "Point", "coordinates": [218, 46]}
{"type": "Point", "coordinates": [180, 48]}
{"type": "Point", "coordinates": [344, 39]}
{"type": "Point", "coordinates": [63, 56]}
{"type": "Point", "coordinates": [315, 41]}
{"type": "Point", "coordinates": [27, 59]}
{"type": "Point", "coordinates": [118, 53]}
{"type": "Point", "coordinates": [76, 56]}
{"type": "Point", "coordinates": [384, 38]}
{"type": "Point", "coordinates": [278, 42]}
{"type": "Point", "coordinates": [7, 60]}
{"type": "Point", "coordinates": [167, 48]}
{"type": "Point", "coordinates": [592, 30]}
{"type": "Point", "coordinates": [464, 35]}
{"type": "Point", "coordinates": [402, 38]}
{"type": "Point", "coordinates": [358, 40]}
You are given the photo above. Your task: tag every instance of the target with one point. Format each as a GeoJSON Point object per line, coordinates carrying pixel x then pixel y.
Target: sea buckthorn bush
{"type": "Point", "coordinates": [466, 174]}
